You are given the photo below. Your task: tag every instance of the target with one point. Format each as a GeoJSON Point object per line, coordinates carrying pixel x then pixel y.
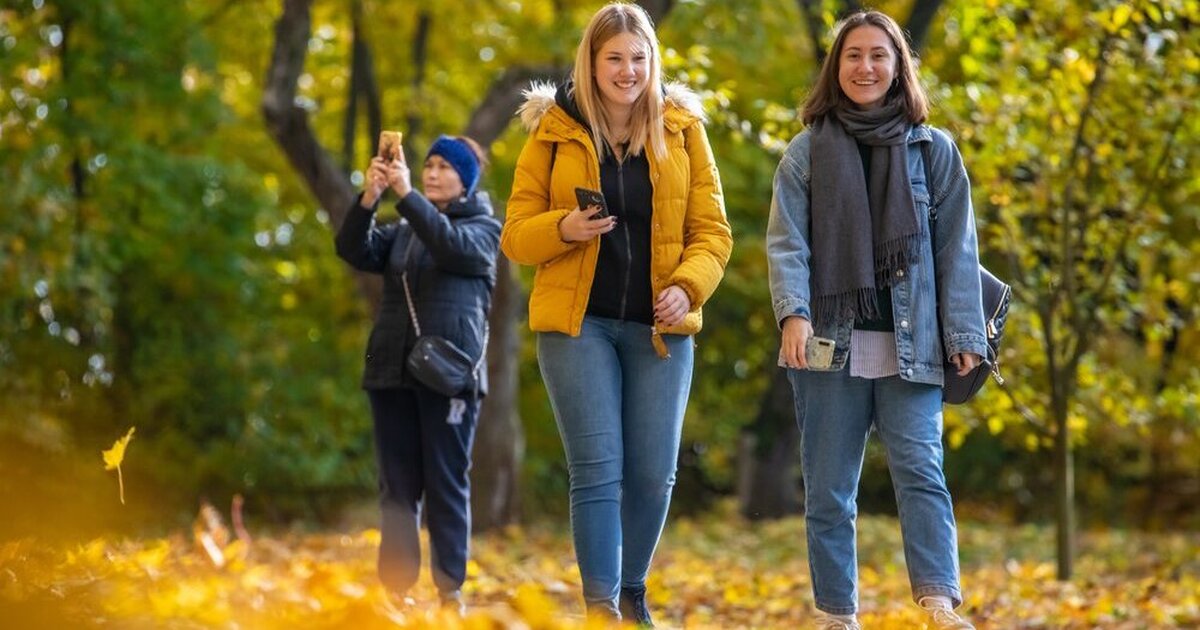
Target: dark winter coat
{"type": "Point", "coordinates": [451, 272]}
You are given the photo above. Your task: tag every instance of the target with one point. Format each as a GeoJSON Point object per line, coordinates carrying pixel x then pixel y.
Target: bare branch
{"type": "Point", "coordinates": [1089, 324]}
{"type": "Point", "coordinates": [491, 118]}
{"type": "Point", "coordinates": [919, 21]}
{"type": "Point", "coordinates": [1079, 148]}
{"type": "Point", "coordinates": [420, 53]}
{"type": "Point", "coordinates": [357, 48]}
{"type": "Point", "coordinates": [658, 9]}
{"type": "Point", "coordinates": [1027, 414]}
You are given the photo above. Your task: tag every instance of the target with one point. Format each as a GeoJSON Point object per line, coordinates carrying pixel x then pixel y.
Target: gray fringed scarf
{"type": "Point", "coordinates": [849, 262]}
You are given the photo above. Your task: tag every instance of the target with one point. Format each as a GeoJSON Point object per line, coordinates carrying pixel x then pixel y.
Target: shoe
{"type": "Point", "coordinates": [826, 621]}
{"type": "Point", "coordinates": [633, 606]}
{"type": "Point", "coordinates": [942, 616]}
{"type": "Point", "coordinates": [397, 607]}
{"type": "Point", "coordinates": [602, 610]}
{"type": "Point", "coordinates": [452, 602]}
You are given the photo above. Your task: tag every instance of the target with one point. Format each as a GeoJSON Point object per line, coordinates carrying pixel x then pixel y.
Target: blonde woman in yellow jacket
{"type": "Point", "coordinates": [618, 289]}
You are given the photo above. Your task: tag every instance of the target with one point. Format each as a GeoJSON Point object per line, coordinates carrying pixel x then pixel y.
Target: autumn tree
{"type": "Point", "coordinates": [1089, 219]}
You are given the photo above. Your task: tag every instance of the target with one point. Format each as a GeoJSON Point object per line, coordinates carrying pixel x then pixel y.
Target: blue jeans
{"type": "Point", "coordinates": [836, 412]}
{"type": "Point", "coordinates": [619, 409]}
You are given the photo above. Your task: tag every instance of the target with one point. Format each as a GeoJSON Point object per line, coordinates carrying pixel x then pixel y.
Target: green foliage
{"type": "Point", "coordinates": [154, 280]}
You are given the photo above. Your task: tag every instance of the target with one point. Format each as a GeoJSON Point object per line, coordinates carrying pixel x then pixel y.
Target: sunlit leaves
{"type": "Point", "coordinates": [717, 572]}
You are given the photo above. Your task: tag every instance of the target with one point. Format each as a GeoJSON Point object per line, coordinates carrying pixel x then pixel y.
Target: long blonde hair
{"type": "Point", "coordinates": [645, 121]}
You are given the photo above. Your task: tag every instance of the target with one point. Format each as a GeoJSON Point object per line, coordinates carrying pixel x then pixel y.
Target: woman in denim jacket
{"type": "Point", "coordinates": [852, 260]}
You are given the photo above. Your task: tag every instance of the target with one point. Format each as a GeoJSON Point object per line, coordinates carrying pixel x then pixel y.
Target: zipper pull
{"type": "Point", "coordinates": [660, 346]}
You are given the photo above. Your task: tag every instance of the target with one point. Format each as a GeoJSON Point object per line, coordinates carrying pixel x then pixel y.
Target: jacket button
{"type": "Point", "coordinates": [904, 323]}
{"type": "Point", "coordinates": [370, 356]}
{"type": "Point", "coordinates": [899, 273]}
{"type": "Point", "coordinates": [908, 372]}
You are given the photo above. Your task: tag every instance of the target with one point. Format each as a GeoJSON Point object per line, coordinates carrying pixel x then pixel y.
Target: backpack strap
{"type": "Point", "coordinates": [927, 164]}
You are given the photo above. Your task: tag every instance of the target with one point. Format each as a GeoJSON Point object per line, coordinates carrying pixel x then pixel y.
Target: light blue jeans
{"type": "Point", "coordinates": [619, 409]}
{"type": "Point", "coordinates": [836, 413]}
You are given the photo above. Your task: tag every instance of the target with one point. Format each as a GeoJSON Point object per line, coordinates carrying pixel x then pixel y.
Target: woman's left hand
{"type": "Point", "coordinates": [965, 362]}
{"type": "Point", "coordinates": [672, 305]}
{"type": "Point", "coordinates": [399, 178]}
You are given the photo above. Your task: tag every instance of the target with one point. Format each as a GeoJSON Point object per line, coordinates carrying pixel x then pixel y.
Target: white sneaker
{"type": "Point", "coordinates": [942, 616]}
{"type": "Point", "coordinates": [826, 621]}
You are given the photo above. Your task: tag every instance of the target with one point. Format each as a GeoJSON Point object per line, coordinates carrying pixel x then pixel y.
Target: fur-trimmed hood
{"type": "Point", "coordinates": [682, 105]}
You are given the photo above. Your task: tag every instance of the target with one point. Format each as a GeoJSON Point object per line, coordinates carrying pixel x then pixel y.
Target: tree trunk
{"type": "Point", "coordinates": [769, 452]}
{"type": "Point", "coordinates": [499, 439]}
{"type": "Point", "coordinates": [1064, 474]}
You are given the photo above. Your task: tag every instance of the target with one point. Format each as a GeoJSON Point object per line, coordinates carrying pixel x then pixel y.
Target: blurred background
{"type": "Point", "coordinates": [173, 174]}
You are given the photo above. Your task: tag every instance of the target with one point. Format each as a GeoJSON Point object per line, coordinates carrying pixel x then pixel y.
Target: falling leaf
{"type": "Point", "coordinates": [114, 456]}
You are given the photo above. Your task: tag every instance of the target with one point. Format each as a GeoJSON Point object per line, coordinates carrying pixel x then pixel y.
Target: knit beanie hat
{"type": "Point", "coordinates": [461, 158]}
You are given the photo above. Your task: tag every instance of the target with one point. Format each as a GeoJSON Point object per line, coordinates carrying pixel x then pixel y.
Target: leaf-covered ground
{"type": "Point", "coordinates": [716, 572]}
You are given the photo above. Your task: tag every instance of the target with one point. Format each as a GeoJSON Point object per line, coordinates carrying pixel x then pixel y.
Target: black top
{"type": "Point", "coordinates": [621, 288]}
{"type": "Point", "coordinates": [886, 321]}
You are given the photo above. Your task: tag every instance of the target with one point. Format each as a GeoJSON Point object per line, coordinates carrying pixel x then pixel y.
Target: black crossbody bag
{"type": "Point", "coordinates": [435, 361]}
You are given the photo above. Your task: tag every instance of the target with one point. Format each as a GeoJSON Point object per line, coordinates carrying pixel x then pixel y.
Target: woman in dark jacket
{"type": "Point", "coordinates": [445, 247]}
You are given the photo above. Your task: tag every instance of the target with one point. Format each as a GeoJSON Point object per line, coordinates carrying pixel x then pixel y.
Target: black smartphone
{"type": "Point", "coordinates": [587, 197]}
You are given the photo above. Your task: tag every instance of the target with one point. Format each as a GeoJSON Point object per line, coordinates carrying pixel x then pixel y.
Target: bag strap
{"type": "Point", "coordinates": [412, 312]}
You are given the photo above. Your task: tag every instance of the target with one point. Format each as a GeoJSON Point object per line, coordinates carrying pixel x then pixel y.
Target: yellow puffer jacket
{"type": "Point", "coordinates": [690, 237]}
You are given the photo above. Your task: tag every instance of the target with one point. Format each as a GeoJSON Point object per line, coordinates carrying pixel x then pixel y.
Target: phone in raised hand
{"type": "Point", "coordinates": [389, 145]}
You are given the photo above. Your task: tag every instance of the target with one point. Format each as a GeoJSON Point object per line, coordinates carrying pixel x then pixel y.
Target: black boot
{"type": "Point", "coordinates": [633, 606]}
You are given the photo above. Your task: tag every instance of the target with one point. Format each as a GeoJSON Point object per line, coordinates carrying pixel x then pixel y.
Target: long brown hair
{"type": "Point", "coordinates": [645, 122]}
{"type": "Point", "coordinates": [827, 93]}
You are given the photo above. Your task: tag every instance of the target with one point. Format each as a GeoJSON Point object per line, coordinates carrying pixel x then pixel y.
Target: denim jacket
{"type": "Point", "coordinates": [937, 303]}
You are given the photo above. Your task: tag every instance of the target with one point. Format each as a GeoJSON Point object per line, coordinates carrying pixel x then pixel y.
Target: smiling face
{"type": "Point", "coordinates": [622, 67]}
{"type": "Point", "coordinates": [867, 66]}
{"type": "Point", "coordinates": [440, 182]}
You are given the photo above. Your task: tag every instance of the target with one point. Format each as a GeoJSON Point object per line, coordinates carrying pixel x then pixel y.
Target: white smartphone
{"type": "Point", "coordinates": [819, 353]}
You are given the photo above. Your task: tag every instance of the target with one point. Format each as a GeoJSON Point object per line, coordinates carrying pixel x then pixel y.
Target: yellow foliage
{"type": "Point", "coordinates": [719, 571]}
